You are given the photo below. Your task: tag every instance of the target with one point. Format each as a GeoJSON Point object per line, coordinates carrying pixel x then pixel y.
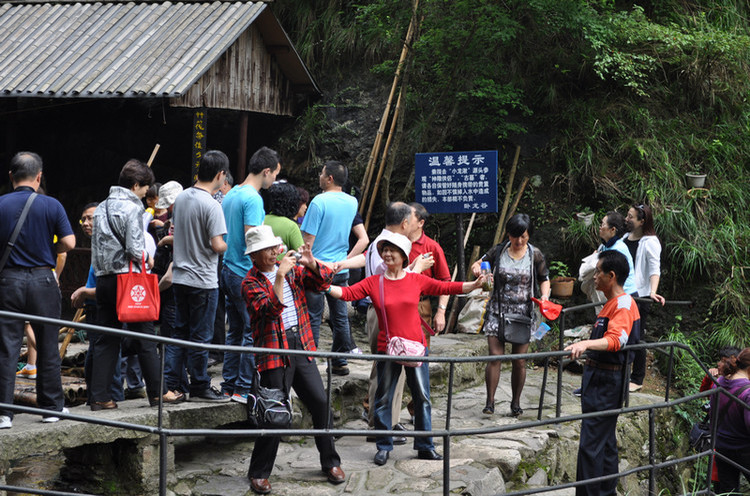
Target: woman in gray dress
{"type": "Point", "coordinates": [518, 268]}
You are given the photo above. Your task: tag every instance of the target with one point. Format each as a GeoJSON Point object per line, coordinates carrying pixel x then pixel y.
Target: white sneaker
{"type": "Point", "coordinates": [5, 422]}
{"type": "Point", "coordinates": [50, 420]}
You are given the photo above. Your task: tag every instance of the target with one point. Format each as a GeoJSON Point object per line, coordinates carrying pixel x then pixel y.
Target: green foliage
{"type": "Point", "coordinates": [628, 97]}
{"type": "Point", "coordinates": [558, 269]}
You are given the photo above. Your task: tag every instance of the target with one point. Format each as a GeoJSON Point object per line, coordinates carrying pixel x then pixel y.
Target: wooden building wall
{"type": "Point", "coordinates": [246, 77]}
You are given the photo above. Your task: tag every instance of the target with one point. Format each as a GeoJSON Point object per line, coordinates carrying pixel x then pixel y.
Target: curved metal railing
{"type": "Point", "coordinates": [446, 434]}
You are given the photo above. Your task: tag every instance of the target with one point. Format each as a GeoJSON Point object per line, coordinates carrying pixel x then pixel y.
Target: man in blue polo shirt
{"type": "Point", "coordinates": [28, 284]}
{"type": "Point", "coordinates": [326, 228]}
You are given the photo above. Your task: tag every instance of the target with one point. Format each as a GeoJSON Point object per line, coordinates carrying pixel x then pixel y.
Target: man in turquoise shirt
{"type": "Point", "coordinates": [326, 228]}
{"type": "Point", "coordinates": [243, 209]}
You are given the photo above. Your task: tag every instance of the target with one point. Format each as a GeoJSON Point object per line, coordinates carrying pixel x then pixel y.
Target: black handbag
{"type": "Point", "coordinates": [700, 434]}
{"type": "Point", "coordinates": [268, 408]}
{"type": "Point", "coordinates": [516, 328]}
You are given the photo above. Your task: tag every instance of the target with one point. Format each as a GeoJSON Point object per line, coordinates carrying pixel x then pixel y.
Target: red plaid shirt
{"type": "Point", "coordinates": [265, 310]}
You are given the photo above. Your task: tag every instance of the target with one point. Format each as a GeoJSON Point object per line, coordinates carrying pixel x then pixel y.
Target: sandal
{"type": "Point", "coordinates": [515, 410]}
{"type": "Point", "coordinates": [489, 409]}
{"type": "Point", "coordinates": [169, 397]}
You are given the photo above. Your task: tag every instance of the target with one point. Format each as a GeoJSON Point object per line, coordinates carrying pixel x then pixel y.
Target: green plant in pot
{"type": "Point", "coordinates": [561, 282]}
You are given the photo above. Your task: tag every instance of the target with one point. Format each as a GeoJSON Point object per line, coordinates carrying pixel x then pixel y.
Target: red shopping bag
{"type": "Point", "coordinates": [138, 297]}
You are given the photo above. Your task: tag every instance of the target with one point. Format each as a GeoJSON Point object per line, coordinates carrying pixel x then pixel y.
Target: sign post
{"type": "Point", "coordinates": [457, 183]}
{"type": "Point", "coordinates": [200, 123]}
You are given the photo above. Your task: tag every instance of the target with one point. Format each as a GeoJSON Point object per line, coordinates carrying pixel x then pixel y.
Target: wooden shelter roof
{"type": "Point", "coordinates": [152, 49]}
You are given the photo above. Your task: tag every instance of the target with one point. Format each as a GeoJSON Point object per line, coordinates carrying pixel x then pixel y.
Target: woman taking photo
{"type": "Point", "coordinates": [645, 249]}
{"type": "Point", "coordinates": [733, 432]}
{"type": "Point", "coordinates": [518, 267]}
{"type": "Point", "coordinates": [395, 296]}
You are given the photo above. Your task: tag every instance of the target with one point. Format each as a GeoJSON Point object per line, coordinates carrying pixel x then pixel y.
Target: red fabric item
{"type": "Point", "coordinates": [138, 297]}
{"type": "Point", "coordinates": [549, 309]}
{"type": "Point", "coordinates": [402, 298]}
{"type": "Point", "coordinates": [425, 244]}
{"type": "Point", "coordinates": [265, 310]}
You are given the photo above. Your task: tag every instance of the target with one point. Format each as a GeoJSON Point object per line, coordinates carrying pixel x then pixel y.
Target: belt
{"type": "Point", "coordinates": [29, 268]}
{"type": "Point", "coordinates": [293, 330]}
{"type": "Point", "coordinates": [590, 362]}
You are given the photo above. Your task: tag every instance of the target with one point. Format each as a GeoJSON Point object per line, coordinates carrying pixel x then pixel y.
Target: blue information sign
{"type": "Point", "coordinates": [457, 182]}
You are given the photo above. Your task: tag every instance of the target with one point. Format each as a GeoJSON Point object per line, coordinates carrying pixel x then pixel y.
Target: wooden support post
{"type": "Point", "coordinates": [508, 192]}
{"type": "Point", "coordinates": [241, 150]}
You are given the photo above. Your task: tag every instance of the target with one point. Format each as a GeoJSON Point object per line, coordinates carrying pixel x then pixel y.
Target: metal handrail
{"type": "Point", "coordinates": [446, 434]}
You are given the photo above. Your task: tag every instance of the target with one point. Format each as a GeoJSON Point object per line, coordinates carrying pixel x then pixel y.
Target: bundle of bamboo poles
{"type": "Point", "coordinates": [369, 197]}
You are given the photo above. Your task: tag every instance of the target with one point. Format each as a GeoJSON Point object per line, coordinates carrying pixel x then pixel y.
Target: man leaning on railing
{"type": "Point", "coordinates": [617, 324]}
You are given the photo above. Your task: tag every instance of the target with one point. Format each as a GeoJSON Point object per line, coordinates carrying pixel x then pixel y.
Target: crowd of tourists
{"type": "Point", "coordinates": [253, 264]}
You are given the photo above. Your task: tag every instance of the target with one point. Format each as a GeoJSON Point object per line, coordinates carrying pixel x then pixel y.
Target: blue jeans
{"type": "Point", "coordinates": [342, 339]}
{"type": "Point", "coordinates": [418, 380]}
{"type": "Point", "coordinates": [167, 325]}
{"type": "Point", "coordinates": [196, 310]}
{"type": "Point", "coordinates": [32, 291]}
{"type": "Point", "coordinates": [238, 367]}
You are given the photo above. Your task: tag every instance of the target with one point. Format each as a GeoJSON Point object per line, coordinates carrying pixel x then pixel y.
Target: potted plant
{"type": "Point", "coordinates": [585, 216]}
{"type": "Point", "coordinates": [695, 179]}
{"type": "Point", "coordinates": [561, 282]}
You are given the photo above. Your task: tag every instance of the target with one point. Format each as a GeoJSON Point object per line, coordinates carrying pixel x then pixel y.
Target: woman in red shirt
{"type": "Point", "coordinates": [398, 306]}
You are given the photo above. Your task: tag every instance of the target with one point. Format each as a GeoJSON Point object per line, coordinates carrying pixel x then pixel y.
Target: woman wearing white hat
{"type": "Point", "coordinates": [395, 296]}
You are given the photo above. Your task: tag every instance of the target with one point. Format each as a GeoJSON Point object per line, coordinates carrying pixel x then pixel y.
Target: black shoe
{"type": "Point", "coordinates": [381, 457]}
{"type": "Point", "coordinates": [577, 392]}
{"type": "Point", "coordinates": [135, 393]}
{"type": "Point", "coordinates": [400, 427]}
{"type": "Point", "coordinates": [515, 411]}
{"type": "Point", "coordinates": [210, 395]}
{"type": "Point", "coordinates": [429, 455]}
{"type": "Point", "coordinates": [399, 440]}
{"type": "Point", "coordinates": [340, 370]}
{"type": "Point", "coordinates": [211, 362]}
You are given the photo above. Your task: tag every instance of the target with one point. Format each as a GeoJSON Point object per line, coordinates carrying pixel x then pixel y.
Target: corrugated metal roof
{"type": "Point", "coordinates": [100, 49]}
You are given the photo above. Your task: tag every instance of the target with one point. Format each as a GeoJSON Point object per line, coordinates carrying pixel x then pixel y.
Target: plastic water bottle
{"type": "Point", "coordinates": [486, 271]}
{"type": "Point", "coordinates": [540, 332]}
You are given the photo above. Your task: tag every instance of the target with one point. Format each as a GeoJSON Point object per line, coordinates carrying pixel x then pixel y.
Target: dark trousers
{"type": "Point", "coordinates": [107, 350]}
{"type": "Point", "coordinates": [639, 356]}
{"type": "Point", "coordinates": [597, 450]}
{"type": "Point", "coordinates": [32, 291]}
{"type": "Point", "coordinates": [302, 375]}
{"type": "Point", "coordinates": [196, 310]}
{"type": "Point", "coordinates": [729, 476]}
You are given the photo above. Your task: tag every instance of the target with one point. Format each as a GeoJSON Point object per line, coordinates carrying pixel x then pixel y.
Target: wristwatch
{"type": "Point", "coordinates": [443, 307]}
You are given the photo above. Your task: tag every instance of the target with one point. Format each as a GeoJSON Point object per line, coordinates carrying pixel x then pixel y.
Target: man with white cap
{"type": "Point", "coordinates": [275, 297]}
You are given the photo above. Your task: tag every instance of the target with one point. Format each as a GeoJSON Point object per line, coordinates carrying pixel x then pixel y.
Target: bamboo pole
{"type": "Point", "coordinates": [454, 305]}
{"type": "Point", "coordinates": [515, 202]}
{"type": "Point", "coordinates": [381, 168]}
{"type": "Point", "coordinates": [70, 331]}
{"type": "Point", "coordinates": [153, 155]}
{"type": "Point", "coordinates": [453, 315]}
{"type": "Point", "coordinates": [384, 120]}
{"type": "Point", "coordinates": [508, 192]}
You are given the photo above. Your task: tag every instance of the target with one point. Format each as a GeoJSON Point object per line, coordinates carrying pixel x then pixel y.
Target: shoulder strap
{"type": "Point", "coordinates": [112, 227]}
{"type": "Point", "coordinates": [382, 304]}
{"type": "Point", "coordinates": [17, 230]}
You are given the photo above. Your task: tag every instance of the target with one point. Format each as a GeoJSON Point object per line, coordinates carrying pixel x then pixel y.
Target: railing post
{"type": "Point", "coordinates": [544, 387]}
{"type": "Point", "coordinates": [162, 437]}
{"type": "Point", "coordinates": [558, 406]}
{"type": "Point", "coordinates": [447, 437]}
